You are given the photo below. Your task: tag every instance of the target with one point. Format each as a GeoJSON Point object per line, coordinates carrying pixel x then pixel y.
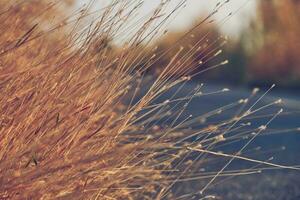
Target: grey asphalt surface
{"type": "Point", "coordinates": [284, 147]}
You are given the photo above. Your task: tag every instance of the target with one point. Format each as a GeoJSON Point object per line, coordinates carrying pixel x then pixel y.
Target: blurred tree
{"type": "Point", "coordinates": [206, 40]}
{"type": "Point", "coordinates": [273, 42]}
{"type": "Point", "coordinates": [212, 50]}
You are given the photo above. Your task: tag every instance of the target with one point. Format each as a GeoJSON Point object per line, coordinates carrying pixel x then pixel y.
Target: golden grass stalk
{"type": "Point", "coordinates": [74, 122]}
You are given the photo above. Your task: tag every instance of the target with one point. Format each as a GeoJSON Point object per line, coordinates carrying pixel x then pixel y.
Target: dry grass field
{"type": "Point", "coordinates": [74, 123]}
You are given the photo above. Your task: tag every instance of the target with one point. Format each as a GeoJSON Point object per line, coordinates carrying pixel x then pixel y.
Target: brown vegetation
{"type": "Point", "coordinates": [65, 131]}
{"type": "Point", "coordinates": [276, 36]}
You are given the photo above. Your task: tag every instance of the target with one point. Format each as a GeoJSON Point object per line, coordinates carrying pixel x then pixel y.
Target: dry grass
{"type": "Point", "coordinates": [66, 132]}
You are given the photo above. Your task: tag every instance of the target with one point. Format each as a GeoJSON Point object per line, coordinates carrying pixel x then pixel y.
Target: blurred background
{"type": "Point", "coordinates": [263, 38]}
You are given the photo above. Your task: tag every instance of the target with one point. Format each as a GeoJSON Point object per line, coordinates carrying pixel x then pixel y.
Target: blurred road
{"type": "Point", "coordinates": [284, 146]}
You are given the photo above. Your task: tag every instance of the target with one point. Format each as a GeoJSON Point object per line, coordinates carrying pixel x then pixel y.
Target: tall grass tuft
{"type": "Point", "coordinates": [80, 119]}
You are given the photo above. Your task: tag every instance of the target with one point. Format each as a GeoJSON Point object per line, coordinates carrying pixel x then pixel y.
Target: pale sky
{"type": "Point", "coordinates": [242, 11]}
